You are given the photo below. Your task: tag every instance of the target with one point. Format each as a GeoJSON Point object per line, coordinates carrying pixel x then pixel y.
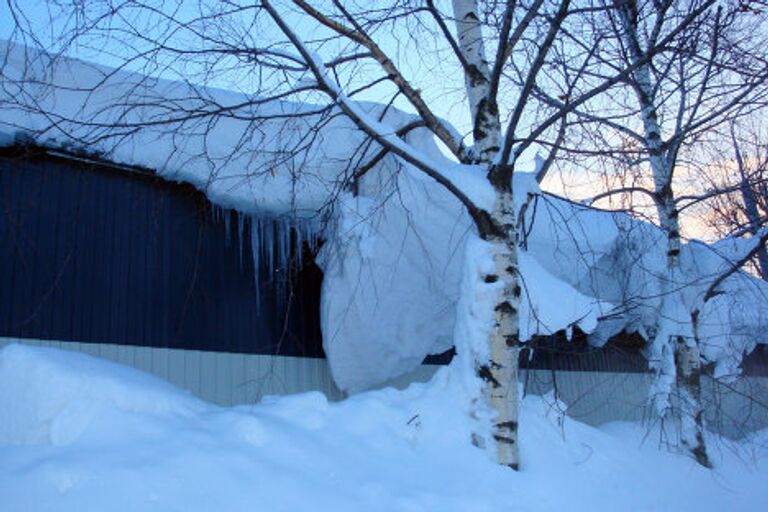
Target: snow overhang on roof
{"type": "Point", "coordinates": [255, 157]}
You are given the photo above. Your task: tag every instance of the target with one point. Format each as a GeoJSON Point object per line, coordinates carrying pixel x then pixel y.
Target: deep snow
{"type": "Point", "coordinates": [80, 434]}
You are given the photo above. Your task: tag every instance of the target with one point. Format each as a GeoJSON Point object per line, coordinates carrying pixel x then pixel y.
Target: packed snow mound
{"type": "Point", "coordinates": [49, 396]}
{"type": "Point", "coordinates": [391, 272]}
{"type": "Point", "coordinates": [401, 451]}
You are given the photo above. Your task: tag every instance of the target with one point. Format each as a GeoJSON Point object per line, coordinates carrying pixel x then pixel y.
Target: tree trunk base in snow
{"type": "Point", "coordinates": [501, 372]}
{"type": "Point", "coordinates": [688, 377]}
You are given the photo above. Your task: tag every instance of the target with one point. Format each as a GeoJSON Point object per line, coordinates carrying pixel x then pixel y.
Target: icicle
{"type": "Point", "coordinates": [276, 243]}
{"type": "Point", "coordinates": [284, 238]}
{"type": "Point", "coordinates": [227, 214]}
{"type": "Point", "coordinates": [240, 232]}
{"type": "Point", "coordinates": [268, 233]}
{"type": "Point", "coordinates": [298, 231]}
{"type": "Point", "coordinates": [255, 250]}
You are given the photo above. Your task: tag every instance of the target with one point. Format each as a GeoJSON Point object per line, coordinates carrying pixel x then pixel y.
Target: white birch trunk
{"type": "Point", "coordinates": [486, 124]}
{"type": "Point", "coordinates": [686, 351]}
{"type": "Point", "coordinates": [687, 367]}
{"type": "Point", "coordinates": [501, 374]}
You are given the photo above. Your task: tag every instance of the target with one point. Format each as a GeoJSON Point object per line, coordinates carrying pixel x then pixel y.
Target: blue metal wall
{"type": "Point", "coordinates": [93, 254]}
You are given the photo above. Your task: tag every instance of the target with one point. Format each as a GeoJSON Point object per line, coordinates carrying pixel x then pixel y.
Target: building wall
{"type": "Point", "coordinates": [96, 255]}
{"type": "Point", "coordinates": [734, 409]}
{"type": "Point", "coordinates": [143, 272]}
{"type": "Point", "coordinates": [218, 377]}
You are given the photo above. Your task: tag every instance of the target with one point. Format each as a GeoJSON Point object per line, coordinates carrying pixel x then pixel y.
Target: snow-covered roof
{"type": "Point", "coordinates": [395, 253]}
{"type": "Point", "coordinates": [255, 157]}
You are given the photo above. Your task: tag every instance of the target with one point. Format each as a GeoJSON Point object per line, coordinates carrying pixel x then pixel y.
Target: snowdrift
{"type": "Point", "coordinates": [86, 435]}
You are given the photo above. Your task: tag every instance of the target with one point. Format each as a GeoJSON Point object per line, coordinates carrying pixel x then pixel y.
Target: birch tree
{"type": "Point", "coordinates": [711, 73]}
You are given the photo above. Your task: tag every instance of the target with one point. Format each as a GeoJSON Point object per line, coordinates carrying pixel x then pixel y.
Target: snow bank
{"type": "Point", "coordinates": [50, 396]}
{"type": "Point", "coordinates": [145, 446]}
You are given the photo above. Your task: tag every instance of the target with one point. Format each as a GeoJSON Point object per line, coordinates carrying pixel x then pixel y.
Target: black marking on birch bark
{"type": "Point", "coordinates": [511, 269]}
{"type": "Point", "coordinates": [493, 108]}
{"type": "Point", "coordinates": [505, 307]}
{"type": "Point", "coordinates": [512, 425]}
{"type": "Point", "coordinates": [673, 252]}
{"type": "Point", "coordinates": [484, 372]}
{"type": "Point", "coordinates": [491, 278]}
{"type": "Point", "coordinates": [500, 176]}
{"type": "Point", "coordinates": [503, 439]}
{"type": "Point", "coordinates": [476, 78]}
{"type": "Point", "coordinates": [673, 233]}
{"type": "Point", "coordinates": [511, 340]}
{"type": "Point", "coordinates": [517, 291]}
{"type": "Point", "coordinates": [674, 213]}
{"type": "Point", "coordinates": [515, 466]}
{"type": "Point", "coordinates": [700, 452]}
{"type": "Point", "coordinates": [487, 112]}
{"type": "Point", "coordinates": [692, 382]}
{"type": "Point", "coordinates": [486, 227]}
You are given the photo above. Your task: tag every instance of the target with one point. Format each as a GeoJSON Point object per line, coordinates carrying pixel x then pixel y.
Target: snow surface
{"type": "Point", "coordinates": [88, 435]}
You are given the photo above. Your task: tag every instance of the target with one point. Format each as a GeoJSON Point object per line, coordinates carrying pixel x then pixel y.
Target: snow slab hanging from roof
{"type": "Point", "coordinates": [394, 265]}
{"type": "Point", "coordinates": [395, 253]}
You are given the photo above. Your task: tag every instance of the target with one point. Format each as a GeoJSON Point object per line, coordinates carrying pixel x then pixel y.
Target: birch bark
{"type": "Point", "coordinates": [500, 373]}
{"type": "Point", "coordinates": [477, 78]}
{"type": "Point", "coordinates": [686, 353]}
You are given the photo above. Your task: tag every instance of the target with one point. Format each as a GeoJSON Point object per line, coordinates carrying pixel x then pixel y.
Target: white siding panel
{"type": "Point", "coordinates": [592, 397]}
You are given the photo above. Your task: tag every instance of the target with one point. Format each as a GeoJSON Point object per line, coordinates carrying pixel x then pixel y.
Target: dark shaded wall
{"type": "Point", "coordinates": [560, 352]}
{"type": "Point", "coordinates": [93, 254]}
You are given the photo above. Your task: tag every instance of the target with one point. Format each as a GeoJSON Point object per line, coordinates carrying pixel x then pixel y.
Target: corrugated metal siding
{"type": "Point", "coordinates": [733, 409]}
{"type": "Point", "coordinates": [217, 377]}
{"type": "Point", "coordinates": [95, 255]}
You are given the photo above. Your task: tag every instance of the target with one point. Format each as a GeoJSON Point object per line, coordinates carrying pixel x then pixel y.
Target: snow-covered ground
{"type": "Point", "coordinates": [81, 434]}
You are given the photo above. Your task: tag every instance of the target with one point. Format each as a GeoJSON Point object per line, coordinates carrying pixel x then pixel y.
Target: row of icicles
{"type": "Point", "coordinates": [276, 243]}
